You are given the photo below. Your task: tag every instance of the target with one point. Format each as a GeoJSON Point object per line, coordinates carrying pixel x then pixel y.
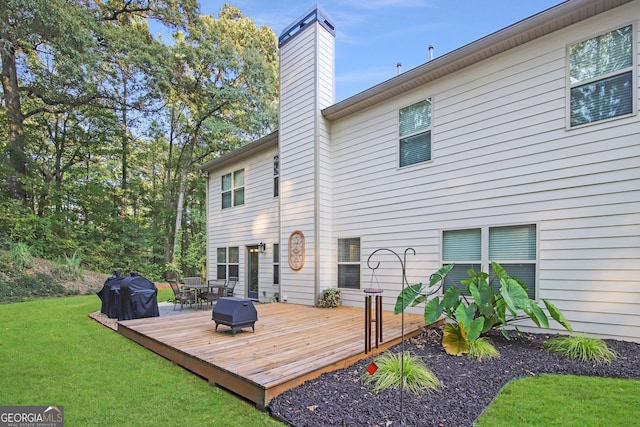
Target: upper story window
{"type": "Point", "coordinates": [233, 189]}
{"type": "Point", "coordinates": [601, 77]}
{"type": "Point", "coordinates": [276, 176]}
{"type": "Point", "coordinates": [415, 133]}
{"type": "Point", "coordinates": [513, 247]}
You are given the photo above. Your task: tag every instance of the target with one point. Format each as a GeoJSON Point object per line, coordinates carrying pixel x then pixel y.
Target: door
{"type": "Point", "coordinates": [252, 270]}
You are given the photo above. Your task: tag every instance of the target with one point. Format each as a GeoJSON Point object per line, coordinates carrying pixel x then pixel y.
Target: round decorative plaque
{"type": "Point", "coordinates": [296, 250]}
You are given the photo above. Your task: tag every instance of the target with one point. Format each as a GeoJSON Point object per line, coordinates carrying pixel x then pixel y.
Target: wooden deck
{"type": "Point", "coordinates": [291, 344]}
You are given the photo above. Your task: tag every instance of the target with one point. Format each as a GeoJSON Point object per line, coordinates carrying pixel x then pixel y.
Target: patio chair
{"type": "Point", "coordinates": [231, 284]}
{"type": "Point", "coordinates": [215, 290]}
{"type": "Point", "coordinates": [180, 295]}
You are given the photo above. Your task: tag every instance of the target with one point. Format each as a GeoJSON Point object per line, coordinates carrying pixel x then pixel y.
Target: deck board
{"type": "Point", "coordinates": [291, 344]}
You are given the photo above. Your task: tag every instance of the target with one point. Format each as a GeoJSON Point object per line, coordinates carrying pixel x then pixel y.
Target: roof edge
{"type": "Point", "coordinates": [536, 26]}
{"type": "Point", "coordinates": [239, 153]}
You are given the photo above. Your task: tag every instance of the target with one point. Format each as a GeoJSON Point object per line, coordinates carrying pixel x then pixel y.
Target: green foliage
{"type": "Point", "coordinates": [330, 298]}
{"type": "Point", "coordinates": [396, 370]}
{"type": "Point", "coordinates": [28, 286]}
{"type": "Point", "coordinates": [69, 267]}
{"type": "Point", "coordinates": [481, 349]}
{"type": "Point", "coordinates": [20, 256]}
{"type": "Point", "coordinates": [582, 348]}
{"type": "Point", "coordinates": [487, 310]}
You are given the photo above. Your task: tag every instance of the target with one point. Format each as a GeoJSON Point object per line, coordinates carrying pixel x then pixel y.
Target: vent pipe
{"type": "Point", "coordinates": [399, 67]}
{"type": "Point", "coordinates": [430, 52]}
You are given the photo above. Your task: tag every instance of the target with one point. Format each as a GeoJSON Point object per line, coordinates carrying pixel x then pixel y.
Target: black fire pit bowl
{"type": "Point", "coordinates": [236, 313]}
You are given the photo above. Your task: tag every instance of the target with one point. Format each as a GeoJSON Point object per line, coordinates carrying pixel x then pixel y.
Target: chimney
{"type": "Point", "coordinates": [399, 67]}
{"type": "Point", "coordinates": [430, 52]}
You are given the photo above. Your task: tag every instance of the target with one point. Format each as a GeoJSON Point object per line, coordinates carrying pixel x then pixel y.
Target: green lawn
{"type": "Point", "coordinates": [565, 400]}
{"type": "Point", "coordinates": [53, 354]}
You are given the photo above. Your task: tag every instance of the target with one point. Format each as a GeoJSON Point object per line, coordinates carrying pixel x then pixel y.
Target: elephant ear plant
{"type": "Point", "coordinates": [469, 318]}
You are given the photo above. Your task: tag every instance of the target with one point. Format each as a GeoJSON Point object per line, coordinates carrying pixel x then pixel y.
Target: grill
{"type": "Point", "coordinates": [236, 313]}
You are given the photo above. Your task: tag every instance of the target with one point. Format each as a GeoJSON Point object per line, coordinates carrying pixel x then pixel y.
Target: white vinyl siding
{"type": "Point", "coordinates": [601, 77]}
{"type": "Point", "coordinates": [503, 156]}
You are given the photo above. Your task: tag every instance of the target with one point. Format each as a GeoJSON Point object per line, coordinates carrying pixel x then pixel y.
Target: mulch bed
{"type": "Point", "coordinates": [340, 399]}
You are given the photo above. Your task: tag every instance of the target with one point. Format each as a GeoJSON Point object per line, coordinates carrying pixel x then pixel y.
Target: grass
{"type": "Point", "coordinates": [582, 348]}
{"type": "Point", "coordinates": [417, 377]}
{"type": "Point", "coordinates": [564, 400]}
{"type": "Point", "coordinates": [54, 354]}
{"type": "Point", "coordinates": [482, 348]}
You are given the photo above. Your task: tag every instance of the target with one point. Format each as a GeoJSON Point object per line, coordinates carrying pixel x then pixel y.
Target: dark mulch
{"type": "Point", "coordinates": [340, 399]}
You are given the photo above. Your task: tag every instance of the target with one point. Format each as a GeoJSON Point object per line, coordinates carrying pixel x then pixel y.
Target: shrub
{"type": "Point", "coordinates": [69, 267]}
{"type": "Point", "coordinates": [488, 310]}
{"type": "Point", "coordinates": [582, 348]}
{"type": "Point", "coordinates": [20, 256]}
{"type": "Point", "coordinates": [330, 298]}
{"type": "Point", "coordinates": [409, 371]}
{"type": "Point", "coordinates": [481, 348]}
{"type": "Point", "coordinates": [27, 286]}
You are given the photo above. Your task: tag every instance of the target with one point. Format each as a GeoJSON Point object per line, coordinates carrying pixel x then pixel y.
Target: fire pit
{"type": "Point", "coordinates": [236, 313]}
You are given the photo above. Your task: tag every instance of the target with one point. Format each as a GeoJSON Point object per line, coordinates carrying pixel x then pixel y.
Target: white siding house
{"type": "Point", "coordinates": [522, 147]}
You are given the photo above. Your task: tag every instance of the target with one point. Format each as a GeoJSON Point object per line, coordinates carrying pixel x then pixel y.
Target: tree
{"type": "Point", "coordinates": [223, 92]}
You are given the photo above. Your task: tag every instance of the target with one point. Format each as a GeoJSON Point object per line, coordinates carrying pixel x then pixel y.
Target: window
{"type": "Point", "coordinates": [228, 262]}
{"type": "Point", "coordinates": [276, 176]}
{"type": "Point", "coordinates": [513, 247]}
{"type": "Point", "coordinates": [233, 189]}
{"type": "Point", "coordinates": [601, 77]}
{"type": "Point", "coordinates": [349, 263]}
{"type": "Point", "coordinates": [415, 133]}
{"type": "Point", "coordinates": [276, 264]}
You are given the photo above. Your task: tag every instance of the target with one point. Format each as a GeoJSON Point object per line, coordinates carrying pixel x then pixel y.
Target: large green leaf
{"type": "Point", "coordinates": [440, 274]}
{"type": "Point", "coordinates": [454, 340]}
{"type": "Point", "coordinates": [406, 297]}
{"type": "Point", "coordinates": [499, 271]}
{"type": "Point", "coordinates": [465, 316]}
{"type": "Point", "coordinates": [557, 315]}
{"type": "Point", "coordinates": [433, 311]}
{"type": "Point", "coordinates": [482, 296]}
{"type": "Point", "coordinates": [514, 295]}
{"type": "Point", "coordinates": [451, 298]}
{"type": "Point", "coordinates": [537, 315]}
{"type": "Point", "coordinates": [474, 329]}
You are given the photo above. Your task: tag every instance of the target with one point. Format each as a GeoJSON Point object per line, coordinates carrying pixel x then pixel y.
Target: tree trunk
{"type": "Point", "coordinates": [181, 194]}
{"type": "Point", "coordinates": [15, 129]}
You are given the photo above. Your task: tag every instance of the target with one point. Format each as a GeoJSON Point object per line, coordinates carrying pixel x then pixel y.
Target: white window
{"type": "Point", "coordinates": [233, 189]}
{"type": "Point", "coordinates": [601, 77]}
{"type": "Point", "coordinates": [228, 262]}
{"type": "Point", "coordinates": [513, 247]}
{"type": "Point", "coordinates": [349, 263]}
{"type": "Point", "coordinates": [415, 133]}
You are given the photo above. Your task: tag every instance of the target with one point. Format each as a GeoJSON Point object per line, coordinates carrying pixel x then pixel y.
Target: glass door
{"type": "Point", "coordinates": [253, 257]}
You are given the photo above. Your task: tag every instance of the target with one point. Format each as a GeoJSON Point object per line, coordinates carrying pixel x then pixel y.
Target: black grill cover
{"type": "Point", "coordinates": [237, 313]}
{"type": "Point", "coordinates": [110, 295]}
{"type": "Point", "coordinates": [138, 298]}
